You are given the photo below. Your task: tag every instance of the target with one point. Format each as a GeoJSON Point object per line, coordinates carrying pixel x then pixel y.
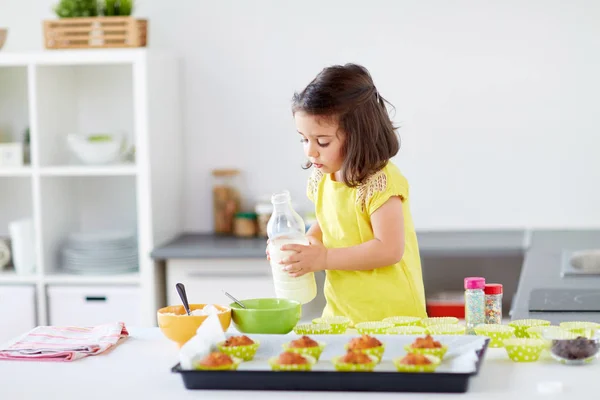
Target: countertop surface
{"type": "Point", "coordinates": [199, 245]}
{"type": "Point", "coordinates": [140, 368]}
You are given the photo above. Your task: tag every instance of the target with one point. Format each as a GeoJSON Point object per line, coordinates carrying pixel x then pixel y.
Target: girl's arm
{"type": "Point", "coordinates": [315, 231]}
{"type": "Point", "coordinates": [385, 249]}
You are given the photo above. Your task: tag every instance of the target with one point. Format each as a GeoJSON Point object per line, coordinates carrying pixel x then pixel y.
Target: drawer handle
{"type": "Point", "coordinates": [95, 298]}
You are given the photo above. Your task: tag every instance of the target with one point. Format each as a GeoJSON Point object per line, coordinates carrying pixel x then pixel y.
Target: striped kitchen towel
{"type": "Point", "coordinates": [64, 343]}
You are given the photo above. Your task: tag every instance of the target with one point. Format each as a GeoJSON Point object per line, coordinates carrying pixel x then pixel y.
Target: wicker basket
{"type": "Point", "coordinates": [96, 32]}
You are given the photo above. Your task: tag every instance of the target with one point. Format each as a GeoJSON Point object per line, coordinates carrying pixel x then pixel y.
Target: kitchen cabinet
{"type": "Point", "coordinates": [17, 311]}
{"type": "Point", "coordinates": [206, 279]}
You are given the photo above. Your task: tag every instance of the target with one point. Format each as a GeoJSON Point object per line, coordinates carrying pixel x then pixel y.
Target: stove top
{"type": "Point", "coordinates": [564, 300]}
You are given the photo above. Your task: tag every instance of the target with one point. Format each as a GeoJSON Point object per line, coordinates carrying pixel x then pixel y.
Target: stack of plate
{"type": "Point", "coordinates": [100, 253]}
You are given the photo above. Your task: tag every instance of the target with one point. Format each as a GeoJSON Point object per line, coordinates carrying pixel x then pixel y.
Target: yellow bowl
{"type": "Point", "coordinates": [521, 326]}
{"type": "Point", "coordinates": [523, 349]}
{"type": "Point", "coordinates": [438, 321]}
{"type": "Point", "coordinates": [176, 325]}
{"type": "Point", "coordinates": [349, 367]}
{"type": "Point", "coordinates": [437, 352]}
{"type": "Point", "coordinates": [435, 362]}
{"type": "Point", "coordinates": [275, 366]}
{"type": "Point", "coordinates": [403, 321]}
{"type": "Point", "coordinates": [496, 332]}
{"type": "Point", "coordinates": [446, 329]}
{"type": "Point", "coordinates": [406, 330]}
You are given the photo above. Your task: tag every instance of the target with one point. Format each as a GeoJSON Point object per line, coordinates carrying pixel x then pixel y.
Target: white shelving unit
{"type": "Point", "coordinates": [55, 93]}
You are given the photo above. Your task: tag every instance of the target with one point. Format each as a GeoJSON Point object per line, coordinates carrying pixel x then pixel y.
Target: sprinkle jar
{"type": "Point", "coordinates": [493, 303]}
{"type": "Point", "coordinates": [474, 303]}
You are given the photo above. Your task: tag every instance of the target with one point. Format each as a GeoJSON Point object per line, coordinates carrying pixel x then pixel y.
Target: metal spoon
{"type": "Point", "coordinates": [183, 297]}
{"type": "Point", "coordinates": [234, 299]}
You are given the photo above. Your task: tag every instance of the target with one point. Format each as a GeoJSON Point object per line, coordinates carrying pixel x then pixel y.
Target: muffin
{"type": "Point", "coordinates": [414, 362]}
{"type": "Point", "coordinates": [355, 361]}
{"type": "Point", "coordinates": [305, 346]}
{"type": "Point", "coordinates": [239, 346]}
{"type": "Point", "coordinates": [426, 346]}
{"type": "Point", "coordinates": [290, 361]}
{"type": "Point", "coordinates": [368, 345]}
{"type": "Point", "coordinates": [217, 361]}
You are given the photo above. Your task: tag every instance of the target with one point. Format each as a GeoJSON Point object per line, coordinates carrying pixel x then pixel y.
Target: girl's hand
{"type": "Point", "coordinates": [307, 259]}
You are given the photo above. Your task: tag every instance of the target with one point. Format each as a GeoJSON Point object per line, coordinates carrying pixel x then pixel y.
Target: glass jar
{"type": "Point", "coordinates": [474, 303]}
{"type": "Point", "coordinates": [226, 199]}
{"type": "Point", "coordinates": [263, 214]}
{"type": "Point", "coordinates": [244, 224]}
{"type": "Point", "coordinates": [493, 303]}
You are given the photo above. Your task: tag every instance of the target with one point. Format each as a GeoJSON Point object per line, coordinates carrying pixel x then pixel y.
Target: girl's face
{"type": "Point", "coordinates": [322, 141]}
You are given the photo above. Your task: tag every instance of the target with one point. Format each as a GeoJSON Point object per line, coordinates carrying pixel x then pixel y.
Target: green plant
{"type": "Point", "coordinates": [76, 8]}
{"type": "Point", "coordinates": [117, 7]}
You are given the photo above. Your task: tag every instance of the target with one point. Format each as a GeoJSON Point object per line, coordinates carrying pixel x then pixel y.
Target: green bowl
{"type": "Point", "coordinates": [232, 367]}
{"type": "Point", "coordinates": [338, 324]}
{"type": "Point", "coordinates": [275, 366]}
{"type": "Point", "coordinates": [245, 353]}
{"type": "Point", "coordinates": [496, 332]}
{"type": "Point", "coordinates": [523, 349]}
{"type": "Point", "coordinates": [268, 315]}
{"type": "Point", "coordinates": [438, 321]}
{"type": "Point", "coordinates": [349, 367]}
{"type": "Point", "coordinates": [406, 330]}
{"type": "Point", "coordinates": [375, 327]}
{"type": "Point", "coordinates": [437, 352]}
{"type": "Point", "coordinates": [312, 329]}
{"type": "Point", "coordinates": [435, 362]}
{"type": "Point", "coordinates": [403, 321]}
{"type": "Point", "coordinates": [521, 326]}
{"type": "Point", "coordinates": [446, 329]}
{"type": "Point", "coordinates": [581, 328]}
{"type": "Point", "coordinates": [314, 352]}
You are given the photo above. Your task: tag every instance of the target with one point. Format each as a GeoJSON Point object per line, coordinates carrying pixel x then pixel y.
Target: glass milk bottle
{"type": "Point", "coordinates": [287, 227]}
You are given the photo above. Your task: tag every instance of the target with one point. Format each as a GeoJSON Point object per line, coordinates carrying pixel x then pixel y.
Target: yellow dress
{"type": "Point", "coordinates": [343, 214]}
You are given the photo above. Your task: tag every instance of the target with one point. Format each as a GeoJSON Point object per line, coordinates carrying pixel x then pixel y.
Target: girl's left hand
{"type": "Point", "coordinates": [307, 259]}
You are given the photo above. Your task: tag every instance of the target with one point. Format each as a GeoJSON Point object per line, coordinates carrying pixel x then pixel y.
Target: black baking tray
{"type": "Point", "coordinates": [437, 382]}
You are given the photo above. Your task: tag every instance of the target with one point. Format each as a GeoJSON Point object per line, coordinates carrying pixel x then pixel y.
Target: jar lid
{"type": "Point", "coordinates": [474, 282]}
{"type": "Point", "coordinates": [493, 288]}
{"type": "Point", "coordinates": [248, 215]}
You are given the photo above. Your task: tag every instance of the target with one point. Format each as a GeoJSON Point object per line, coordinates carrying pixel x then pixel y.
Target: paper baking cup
{"type": "Point", "coordinates": [314, 352]}
{"type": "Point", "coordinates": [438, 321]}
{"type": "Point", "coordinates": [371, 328]}
{"type": "Point", "coordinates": [406, 330]}
{"type": "Point", "coordinates": [521, 326]}
{"type": "Point", "coordinates": [373, 351]}
{"type": "Point", "coordinates": [337, 324]}
{"type": "Point", "coordinates": [348, 367]}
{"type": "Point", "coordinates": [447, 329]}
{"type": "Point", "coordinates": [435, 362]}
{"type": "Point", "coordinates": [275, 366]}
{"type": "Point", "coordinates": [436, 352]}
{"type": "Point", "coordinates": [496, 332]}
{"type": "Point", "coordinates": [232, 367]}
{"type": "Point", "coordinates": [246, 353]}
{"type": "Point", "coordinates": [312, 329]}
{"type": "Point", "coordinates": [581, 328]}
{"type": "Point", "coordinates": [403, 321]}
{"type": "Point", "coordinates": [524, 350]}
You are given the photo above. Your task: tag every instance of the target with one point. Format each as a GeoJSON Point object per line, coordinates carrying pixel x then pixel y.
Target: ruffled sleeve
{"type": "Point", "coordinates": [379, 188]}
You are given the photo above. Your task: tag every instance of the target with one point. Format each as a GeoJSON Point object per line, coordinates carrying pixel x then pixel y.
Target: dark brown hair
{"type": "Point", "coordinates": [347, 94]}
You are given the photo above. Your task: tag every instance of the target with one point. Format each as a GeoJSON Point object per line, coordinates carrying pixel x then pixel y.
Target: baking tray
{"type": "Point", "coordinates": [452, 376]}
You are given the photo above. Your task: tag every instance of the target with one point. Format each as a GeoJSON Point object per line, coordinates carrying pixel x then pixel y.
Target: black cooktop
{"type": "Point", "coordinates": [564, 300]}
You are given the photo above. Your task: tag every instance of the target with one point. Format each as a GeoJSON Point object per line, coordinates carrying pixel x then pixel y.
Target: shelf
{"type": "Point", "coordinates": [17, 171]}
{"type": "Point", "coordinates": [117, 279]}
{"type": "Point", "coordinates": [10, 276]}
{"type": "Point", "coordinates": [83, 170]}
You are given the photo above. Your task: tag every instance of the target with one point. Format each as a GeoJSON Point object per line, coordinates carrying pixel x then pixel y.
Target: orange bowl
{"type": "Point", "coordinates": [176, 325]}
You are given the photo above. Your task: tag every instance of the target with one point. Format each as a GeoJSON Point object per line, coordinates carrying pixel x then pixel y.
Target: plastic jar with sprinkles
{"type": "Point", "coordinates": [474, 303]}
{"type": "Point", "coordinates": [493, 303]}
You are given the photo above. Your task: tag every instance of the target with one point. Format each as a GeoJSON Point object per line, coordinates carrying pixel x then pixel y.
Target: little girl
{"type": "Point", "coordinates": [364, 237]}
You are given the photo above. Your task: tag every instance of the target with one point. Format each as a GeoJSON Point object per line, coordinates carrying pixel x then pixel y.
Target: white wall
{"type": "Point", "coordinates": [499, 100]}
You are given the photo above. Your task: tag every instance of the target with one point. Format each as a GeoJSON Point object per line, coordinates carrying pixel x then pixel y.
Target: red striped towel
{"type": "Point", "coordinates": [68, 343]}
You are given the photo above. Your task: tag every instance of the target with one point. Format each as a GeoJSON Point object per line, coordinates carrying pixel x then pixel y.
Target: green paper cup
{"type": "Point", "coordinates": [245, 353]}
{"type": "Point", "coordinates": [275, 366]}
{"type": "Point", "coordinates": [496, 332]}
{"type": "Point", "coordinates": [312, 329]}
{"type": "Point", "coordinates": [314, 352]}
{"type": "Point", "coordinates": [349, 367]}
{"type": "Point", "coordinates": [435, 362]}
{"type": "Point", "coordinates": [371, 328]}
{"type": "Point", "coordinates": [406, 330]}
{"type": "Point", "coordinates": [438, 321]}
{"type": "Point", "coordinates": [436, 352]}
{"type": "Point", "coordinates": [521, 326]}
{"type": "Point", "coordinates": [446, 329]}
{"type": "Point", "coordinates": [540, 332]}
{"type": "Point", "coordinates": [523, 349]}
{"type": "Point", "coordinates": [403, 321]}
{"type": "Point", "coordinates": [338, 325]}
{"type": "Point", "coordinates": [581, 328]}
{"type": "Point", "coordinates": [373, 351]}
{"type": "Point", "coordinates": [232, 367]}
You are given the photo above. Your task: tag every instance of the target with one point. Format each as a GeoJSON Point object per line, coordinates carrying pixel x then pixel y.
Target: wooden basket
{"type": "Point", "coordinates": [96, 32]}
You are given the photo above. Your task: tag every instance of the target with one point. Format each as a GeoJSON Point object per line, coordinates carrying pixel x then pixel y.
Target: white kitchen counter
{"type": "Point", "coordinates": [139, 368]}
